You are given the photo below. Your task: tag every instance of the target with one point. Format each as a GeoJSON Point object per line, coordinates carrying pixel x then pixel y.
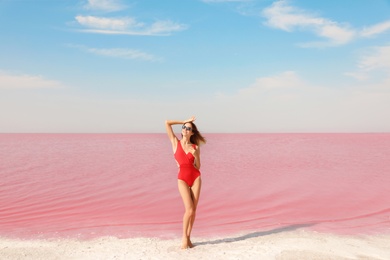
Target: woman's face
{"type": "Point", "coordinates": [186, 129]}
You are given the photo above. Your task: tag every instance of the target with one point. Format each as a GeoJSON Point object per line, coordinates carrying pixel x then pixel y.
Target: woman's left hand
{"type": "Point", "coordinates": [192, 150]}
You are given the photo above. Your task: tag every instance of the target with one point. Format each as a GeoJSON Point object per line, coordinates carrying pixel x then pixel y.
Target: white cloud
{"type": "Point", "coordinates": [288, 103]}
{"type": "Point", "coordinates": [123, 53]}
{"type": "Point", "coordinates": [279, 103]}
{"type": "Point", "coordinates": [375, 29]}
{"type": "Point", "coordinates": [127, 26]}
{"type": "Point", "coordinates": [378, 59]}
{"type": "Point", "coordinates": [374, 65]}
{"type": "Point", "coordinates": [24, 81]}
{"type": "Point", "coordinates": [282, 16]}
{"type": "Point", "coordinates": [285, 80]}
{"type": "Point", "coordinates": [107, 23]}
{"type": "Point", "coordinates": [357, 75]}
{"type": "Point", "coordinates": [164, 27]}
{"type": "Point", "coordinates": [284, 83]}
{"type": "Point", "coordinates": [105, 5]}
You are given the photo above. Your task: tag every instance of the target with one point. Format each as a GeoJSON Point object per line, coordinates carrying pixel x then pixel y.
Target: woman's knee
{"type": "Point", "coordinates": [190, 212]}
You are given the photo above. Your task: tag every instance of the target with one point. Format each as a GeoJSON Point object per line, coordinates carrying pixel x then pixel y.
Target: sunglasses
{"type": "Point", "coordinates": [186, 128]}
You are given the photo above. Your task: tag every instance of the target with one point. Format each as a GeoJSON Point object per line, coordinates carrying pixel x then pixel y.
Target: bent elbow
{"type": "Point", "coordinates": [197, 166]}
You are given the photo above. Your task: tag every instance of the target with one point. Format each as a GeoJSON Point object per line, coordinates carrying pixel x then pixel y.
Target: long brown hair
{"type": "Point", "coordinates": [197, 137]}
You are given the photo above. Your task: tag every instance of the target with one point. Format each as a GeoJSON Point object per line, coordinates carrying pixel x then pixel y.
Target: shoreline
{"type": "Point", "coordinates": [296, 244]}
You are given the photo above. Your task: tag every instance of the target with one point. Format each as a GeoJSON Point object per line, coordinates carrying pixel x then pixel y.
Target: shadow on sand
{"type": "Point", "coordinates": [253, 235]}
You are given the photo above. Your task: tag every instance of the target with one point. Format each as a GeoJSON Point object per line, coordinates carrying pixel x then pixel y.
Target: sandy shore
{"type": "Point", "coordinates": [298, 244]}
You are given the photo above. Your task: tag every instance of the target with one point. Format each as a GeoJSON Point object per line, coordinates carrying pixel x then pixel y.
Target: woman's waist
{"type": "Point", "coordinates": [186, 165]}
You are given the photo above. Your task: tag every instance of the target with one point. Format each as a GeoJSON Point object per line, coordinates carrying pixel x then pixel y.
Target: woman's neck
{"type": "Point", "coordinates": [186, 140]}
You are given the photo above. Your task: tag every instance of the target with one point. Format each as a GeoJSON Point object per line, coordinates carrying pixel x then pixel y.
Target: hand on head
{"type": "Point", "coordinates": [192, 119]}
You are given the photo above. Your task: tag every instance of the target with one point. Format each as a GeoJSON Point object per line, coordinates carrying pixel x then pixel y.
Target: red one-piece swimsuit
{"type": "Point", "coordinates": [187, 170]}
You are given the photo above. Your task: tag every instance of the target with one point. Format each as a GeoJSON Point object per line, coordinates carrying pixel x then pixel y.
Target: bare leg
{"type": "Point", "coordinates": [185, 193]}
{"type": "Point", "coordinates": [195, 193]}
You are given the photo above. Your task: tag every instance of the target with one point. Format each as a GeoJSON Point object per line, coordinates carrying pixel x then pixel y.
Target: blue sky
{"type": "Point", "coordinates": [118, 66]}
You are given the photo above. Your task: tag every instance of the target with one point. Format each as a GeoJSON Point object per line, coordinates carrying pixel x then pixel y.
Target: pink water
{"type": "Point", "coordinates": [124, 185]}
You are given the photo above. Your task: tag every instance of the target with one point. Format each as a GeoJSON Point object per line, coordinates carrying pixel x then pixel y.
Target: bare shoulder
{"type": "Point", "coordinates": [197, 148]}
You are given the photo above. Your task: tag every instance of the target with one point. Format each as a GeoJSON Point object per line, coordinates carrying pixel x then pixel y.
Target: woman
{"type": "Point", "coordinates": [187, 155]}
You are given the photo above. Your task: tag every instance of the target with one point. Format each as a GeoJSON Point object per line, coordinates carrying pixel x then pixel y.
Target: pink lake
{"type": "Point", "coordinates": [124, 185]}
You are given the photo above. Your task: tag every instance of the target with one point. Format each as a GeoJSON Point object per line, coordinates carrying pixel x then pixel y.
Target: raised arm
{"type": "Point", "coordinates": [168, 128]}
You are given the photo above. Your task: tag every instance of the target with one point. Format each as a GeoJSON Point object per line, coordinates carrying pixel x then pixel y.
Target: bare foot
{"type": "Point", "coordinates": [190, 245]}
{"type": "Point", "coordinates": [184, 243]}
